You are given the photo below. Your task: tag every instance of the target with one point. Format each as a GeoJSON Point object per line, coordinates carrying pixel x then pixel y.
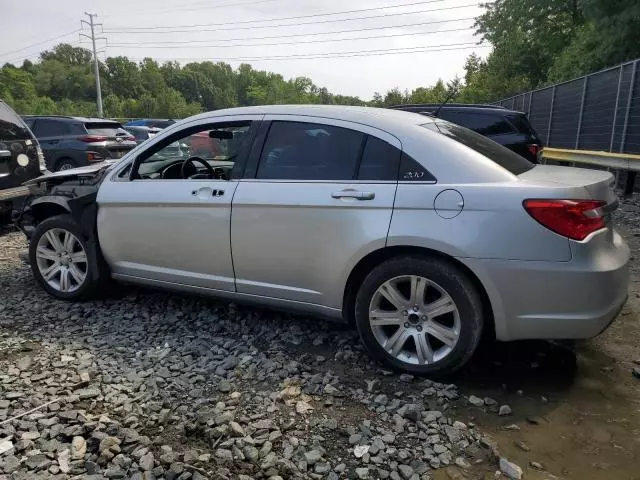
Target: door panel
{"type": "Point", "coordinates": [296, 241]}
{"type": "Point", "coordinates": [168, 230]}
{"type": "Point", "coordinates": [171, 223]}
{"type": "Point", "coordinates": [298, 238]}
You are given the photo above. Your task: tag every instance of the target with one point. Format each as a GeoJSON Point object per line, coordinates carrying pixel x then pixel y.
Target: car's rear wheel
{"type": "Point", "coordinates": [65, 164]}
{"type": "Point", "coordinates": [61, 259]}
{"type": "Point", "coordinates": [420, 315]}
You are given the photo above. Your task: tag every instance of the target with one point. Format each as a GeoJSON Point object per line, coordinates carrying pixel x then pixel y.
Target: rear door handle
{"type": "Point", "coordinates": [355, 194]}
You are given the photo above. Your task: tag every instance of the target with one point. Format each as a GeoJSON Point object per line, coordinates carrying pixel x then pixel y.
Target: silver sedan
{"type": "Point", "coordinates": [423, 234]}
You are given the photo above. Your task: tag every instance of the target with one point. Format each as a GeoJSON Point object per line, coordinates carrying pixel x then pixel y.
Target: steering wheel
{"type": "Point", "coordinates": [191, 160]}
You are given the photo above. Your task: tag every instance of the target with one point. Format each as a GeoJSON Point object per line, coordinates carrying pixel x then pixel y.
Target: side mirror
{"type": "Point", "coordinates": [5, 154]}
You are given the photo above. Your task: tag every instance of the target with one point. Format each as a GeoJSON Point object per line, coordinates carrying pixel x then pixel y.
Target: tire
{"type": "Point", "coordinates": [456, 321]}
{"type": "Point", "coordinates": [82, 277]}
{"type": "Point", "coordinates": [65, 164]}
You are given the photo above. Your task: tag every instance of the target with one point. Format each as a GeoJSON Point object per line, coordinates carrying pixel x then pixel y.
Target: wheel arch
{"type": "Point", "coordinates": [82, 209]}
{"type": "Point", "coordinates": [45, 207]}
{"type": "Point", "coordinates": [374, 258]}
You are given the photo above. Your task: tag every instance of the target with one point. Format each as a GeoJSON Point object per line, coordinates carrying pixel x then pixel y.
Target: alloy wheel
{"type": "Point", "coordinates": [61, 260]}
{"type": "Point", "coordinates": [414, 320]}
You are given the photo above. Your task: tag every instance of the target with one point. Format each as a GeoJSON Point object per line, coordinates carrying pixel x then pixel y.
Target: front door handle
{"type": "Point", "coordinates": [206, 192]}
{"type": "Point", "coordinates": [355, 194]}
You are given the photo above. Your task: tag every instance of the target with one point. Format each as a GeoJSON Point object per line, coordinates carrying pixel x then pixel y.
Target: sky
{"type": "Point", "coordinates": [351, 47]}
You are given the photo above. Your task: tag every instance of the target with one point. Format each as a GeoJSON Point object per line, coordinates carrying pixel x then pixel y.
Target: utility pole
{"type": "Point", "coordinates": [96, 67]}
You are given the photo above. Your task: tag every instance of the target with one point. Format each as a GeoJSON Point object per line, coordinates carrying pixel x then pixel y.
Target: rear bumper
{"type": "Point", "coordinates": [556, 300]}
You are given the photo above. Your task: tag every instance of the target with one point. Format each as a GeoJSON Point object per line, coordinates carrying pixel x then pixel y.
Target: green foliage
{"type": "Point", "coordinates": [548, 41]}
{"type": "Point", "coordinates": [63, 82]}
{"type": "Point", "coordinates": [534, 44]}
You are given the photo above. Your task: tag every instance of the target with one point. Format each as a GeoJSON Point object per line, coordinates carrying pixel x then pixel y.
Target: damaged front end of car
{"type": "Point", "coordinates": [70, 192]}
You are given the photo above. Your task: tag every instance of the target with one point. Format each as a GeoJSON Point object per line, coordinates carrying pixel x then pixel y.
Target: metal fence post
{"type": "Point", "coordinates": [553, 99]}
{"type": "Point", "coordinates": [584, 94]}
{"type": "Point", "coordinates": [631, 176]}
{"type": "Point", "coordinates": [615, 111]}
{"type": "Point", "coordinates": [529, 107]}
{"type": "Point", "coordinates": [623, 140]}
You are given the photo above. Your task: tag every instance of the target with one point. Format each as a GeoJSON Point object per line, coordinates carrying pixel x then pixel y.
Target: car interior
{"type": "Point", "coordinates": [201, 154]}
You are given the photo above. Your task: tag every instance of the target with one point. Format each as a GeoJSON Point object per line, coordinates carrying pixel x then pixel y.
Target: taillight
{"type": "Point", "coordinates": [94, 157]}
{"type": "Point", "coordinates": [533, 149]}
{"type": "Point", "coordinates": [575, 219]}
{"type": "Point", "coordinates": [130, 138]}
{"type": "Point", "coordinates": [92, 138]}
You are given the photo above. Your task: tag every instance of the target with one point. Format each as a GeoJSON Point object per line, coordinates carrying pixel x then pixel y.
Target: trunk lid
{"type": "Point", "coordinates": [597, 183]}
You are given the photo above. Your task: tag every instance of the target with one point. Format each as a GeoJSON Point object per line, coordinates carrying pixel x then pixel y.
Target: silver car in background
{"type": "Point", "coordinates": [422, 233]}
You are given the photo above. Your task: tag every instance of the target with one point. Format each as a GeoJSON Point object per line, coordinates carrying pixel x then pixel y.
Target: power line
{"type": "Point", "coordinates": [181, 9]}
{"type": "Point", "coordinates": [298, 42]}
{"type": "Point", "coordinates": [273, 37]}
{"type": "Point", "coordinates": [278, 19]}
{"type": "Point", "coordinates": [39, 43]}
{"type": "Point", "coordinates": [356, 53]}
{"type": "Point", "coordinates": [315, 22]}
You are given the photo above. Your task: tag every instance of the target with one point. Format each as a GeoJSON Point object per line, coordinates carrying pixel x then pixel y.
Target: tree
{"type": "Point", "coordinates": [611, 35]}
{"type": "Point", "coordinates": [527, 36]}
{"type": "Point", "coordinates": [65, 53]}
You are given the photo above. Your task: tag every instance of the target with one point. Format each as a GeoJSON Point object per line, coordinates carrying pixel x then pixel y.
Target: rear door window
{"type": "Point", "coordinates": [50, 128]}
{"type": "Point", "coordinates": [484, 124]}
{"type": "Point", "coordinates": [11, 125]}
{"type": "Point", "coordinates": [504, 157]}
{"type": "Point", "coordinates": [310, 151]}
{"type": "Point", "coordinates": [380, 161]}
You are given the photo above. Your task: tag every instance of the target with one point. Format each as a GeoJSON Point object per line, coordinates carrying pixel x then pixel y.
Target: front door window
{"type": "Point", "coordinates": [197, 153]}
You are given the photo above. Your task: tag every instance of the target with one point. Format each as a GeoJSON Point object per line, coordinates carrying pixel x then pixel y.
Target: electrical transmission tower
{"type": "Point", "coordinates": [91, 24]}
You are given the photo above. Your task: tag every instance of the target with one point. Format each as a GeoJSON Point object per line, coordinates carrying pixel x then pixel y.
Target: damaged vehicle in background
{"type": "Point", "coordinates": [20, 160]}
{"type": "Point", "coordinates": [422, 233]}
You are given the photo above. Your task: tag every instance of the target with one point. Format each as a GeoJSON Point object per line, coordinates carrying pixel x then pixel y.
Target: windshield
{"type": "Point", "coordinates": [495, 152]}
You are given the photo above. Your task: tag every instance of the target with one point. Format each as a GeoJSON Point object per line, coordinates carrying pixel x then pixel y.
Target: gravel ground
{"type": "Point", "coordinates": [150, 385]}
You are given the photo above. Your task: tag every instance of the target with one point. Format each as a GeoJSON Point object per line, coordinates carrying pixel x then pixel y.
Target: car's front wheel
{"type": "Point", "coordinates": [60, 258]}
{"type": "Point", "coordinates": [418, 314]}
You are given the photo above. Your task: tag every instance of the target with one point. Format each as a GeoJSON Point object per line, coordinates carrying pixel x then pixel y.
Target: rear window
{"type": "Point", "coordinates": [11, 125]}
{"type": "Point", "coordinates": [522, 124]}
{"type": "Point", "coordinates": [105, 129]}
{"type": "Point", "coordinates": [484, 124]}
{"type": "Point", "coordinates": [504, 157]}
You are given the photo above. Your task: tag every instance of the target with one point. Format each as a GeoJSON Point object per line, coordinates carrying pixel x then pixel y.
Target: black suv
{"type": "Point", "coordinates": [20, 159]}
{"type": "Point", "coordinates": [506, 127]}
{"type": "Point", "coordinates": [70, 142]}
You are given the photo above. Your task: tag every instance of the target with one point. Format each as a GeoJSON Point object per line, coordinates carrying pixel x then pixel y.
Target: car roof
{"type": "Point", "coordinates": [72, 119]}
{"type": "Point", "coordinates": [458, 107]}
{"type": "Point", "coordinates": [381, 118]}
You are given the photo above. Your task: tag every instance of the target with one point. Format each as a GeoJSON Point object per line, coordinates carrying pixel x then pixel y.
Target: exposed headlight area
{"type": "Point", "coordinates": [23, 160]}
